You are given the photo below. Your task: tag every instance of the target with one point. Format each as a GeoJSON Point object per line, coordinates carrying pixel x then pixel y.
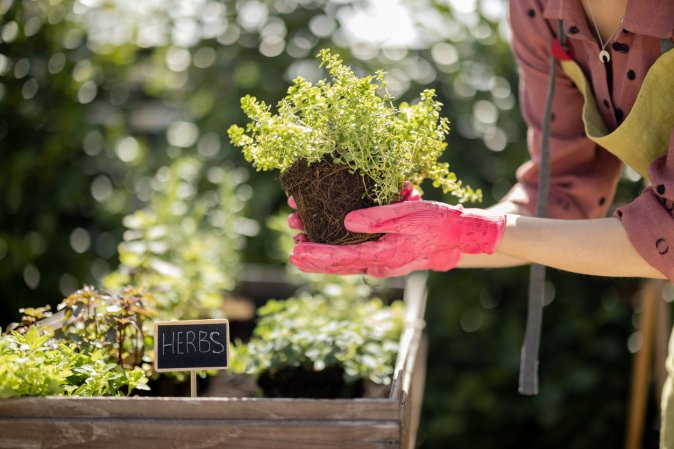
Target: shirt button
{"type": "Point", "coordinates": [573, 30]}
{"type": "Point", "coordinates": [631, 75]}
{"type": "Point", "coordinates": [620, 47]}
{"type": "Point", "coordinates": [661, 246]}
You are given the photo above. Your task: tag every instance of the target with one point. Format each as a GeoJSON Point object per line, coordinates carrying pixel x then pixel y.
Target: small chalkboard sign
{"type": "Point", "coordinates": [191, 345]}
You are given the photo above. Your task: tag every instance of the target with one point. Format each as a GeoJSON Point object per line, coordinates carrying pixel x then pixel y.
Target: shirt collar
{"type": "Point", "coordinates": [650, 17]}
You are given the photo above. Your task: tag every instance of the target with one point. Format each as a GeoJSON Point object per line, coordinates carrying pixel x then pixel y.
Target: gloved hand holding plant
{"type": "Point", "coordinates": [418, 235]}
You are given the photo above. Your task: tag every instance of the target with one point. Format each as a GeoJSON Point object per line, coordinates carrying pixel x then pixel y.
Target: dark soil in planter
{"type": "Point", "coordinates": [325, 193]}
{"type": "Point", "coordinates": [165, 385]}
{"type": "Point", "coordinates": [303, 383]}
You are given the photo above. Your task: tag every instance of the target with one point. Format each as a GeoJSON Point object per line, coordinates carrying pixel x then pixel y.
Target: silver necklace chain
{"type": "Point", "coordinates": [604, 55]}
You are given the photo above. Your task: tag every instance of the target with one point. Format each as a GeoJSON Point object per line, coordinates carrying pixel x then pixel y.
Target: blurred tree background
{"type": "Point", "coordinates": [99, 98]}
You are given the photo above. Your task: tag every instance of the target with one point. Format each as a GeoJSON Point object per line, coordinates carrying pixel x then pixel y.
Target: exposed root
{"type": "Point", "coordinates": [325, 193]}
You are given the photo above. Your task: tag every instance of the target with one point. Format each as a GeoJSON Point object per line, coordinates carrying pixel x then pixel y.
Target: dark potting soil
{"type": "Point", "coordinates": [303, 383]}
{"type": "Point", "coordinates": [325, 193]}
{"type": "Point", "coordinates": [291, 383]}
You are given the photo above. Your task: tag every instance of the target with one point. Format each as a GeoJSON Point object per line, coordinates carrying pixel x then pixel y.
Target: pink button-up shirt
{"type": "Point", "coordinates": [584, 175]}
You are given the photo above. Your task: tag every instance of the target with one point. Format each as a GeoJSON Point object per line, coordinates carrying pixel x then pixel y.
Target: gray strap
{"type": "Point", "coordinates": [666, 45]}
{"type": "Point", "coordinates": [528, 384]}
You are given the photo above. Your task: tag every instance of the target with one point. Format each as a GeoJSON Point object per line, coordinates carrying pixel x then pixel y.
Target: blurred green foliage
{"type": "Point", "coordinates": [184, 246]}
{"type": "Point", "coordinates": [99, 97]}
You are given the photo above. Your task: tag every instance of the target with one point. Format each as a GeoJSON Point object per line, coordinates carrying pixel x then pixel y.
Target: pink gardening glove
{"type": "Point", "coordinates": [408, 193]}
{"type": "Point", "coordinates": [418, 235]}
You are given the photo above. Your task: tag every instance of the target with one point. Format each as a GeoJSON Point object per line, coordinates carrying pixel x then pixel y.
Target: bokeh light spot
{"type": "Point", "coordinates": [178, 59]}
{"type": "Point", "coordinates": [21, 68]}
{"type": "Point", "coordinates": [93, 143]}
{"type": "Point", "coordinates": [182, 134]}
{"type": "Point", "coordinates": [101, 188]}
{"type": "Point", "coordinates": [322, 25]}
{"type": "Point", "coordinates": [472, 320]}
{"type": "Point", "coordinates": [56, 63]}
{"type": "Point", "coordinates": [9, 32]}
{"type": "Point", "coordinates": [87, 92]}
{"type": "Point", "coordinates": [29, 89]}
{"type": "Point", "coordinates": [209, 145]}
{"type": "Point", "coordinates": [128, 149]}
{"type": "Point", "coordinates": [272, 46]}
{"type": "Point", "coordinates": [31, 276]}
{"type": "Point", "coordinates": [36, 243]}
{"type": "Point", "coordinates": [80, 240]}
{"type": "Point", "coordinates": [635, 341]}
{"type": "Point", "coordinates": [204, 57]}
{"type": "Point", "coordinates": [68, 284]}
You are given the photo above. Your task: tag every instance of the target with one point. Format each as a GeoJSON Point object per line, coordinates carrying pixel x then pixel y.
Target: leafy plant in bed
{"type": "Point", "coordinates": [321, 346]}
{"type": "Point", "coordinates": [342, 145]}
{"type": "Point", "coordinates": [96, 351]}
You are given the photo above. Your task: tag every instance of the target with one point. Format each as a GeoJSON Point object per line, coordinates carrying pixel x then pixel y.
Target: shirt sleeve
{"type": "Point", "coordinates": [649, 219]}
{"type": "Point", "coordinates": [583, 176]}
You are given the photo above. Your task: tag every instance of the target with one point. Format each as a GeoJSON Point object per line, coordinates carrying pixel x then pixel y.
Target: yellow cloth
{"type": "Point", "coordinates": [643, 136]}
{"type": "Point", "coordinates": [638, 141]}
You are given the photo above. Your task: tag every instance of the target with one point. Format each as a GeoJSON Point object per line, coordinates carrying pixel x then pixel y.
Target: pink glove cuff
{"type": "Point", "coordinates": [484, 233]}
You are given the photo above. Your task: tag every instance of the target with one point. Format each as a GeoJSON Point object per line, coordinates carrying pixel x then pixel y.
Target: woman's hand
{"type": "Point", "coordinates": [418, 235]}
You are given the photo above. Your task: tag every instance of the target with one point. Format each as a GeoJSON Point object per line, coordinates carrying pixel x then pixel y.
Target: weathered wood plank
{"type": "Point", "coordinates": [415, 307]}
{"type": "Point", "coordinates": [201, 408]}
{"type": "Point", "coordinates": [195, 434]}
{"type": "Point", "coordinates": [411, 406]}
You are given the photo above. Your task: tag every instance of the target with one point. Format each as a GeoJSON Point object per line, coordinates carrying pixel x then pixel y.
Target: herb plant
{"type": "Point", "coordinates": [36, 364]}
{"type": "Point", "coordinates": [98, 348]}
{"type": "Point", "coordinates": [316, 332]}
{"type": "Point", "coordinates": [96, 319]}
{"type": "Point", "coordinates": [351, 121]}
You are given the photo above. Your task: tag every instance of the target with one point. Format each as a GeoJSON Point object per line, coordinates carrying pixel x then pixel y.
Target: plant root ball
{"type": "Point", "coordinates": [325, 193]}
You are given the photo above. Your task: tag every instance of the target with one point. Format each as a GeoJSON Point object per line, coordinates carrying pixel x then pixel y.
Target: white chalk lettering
{"type": "Point", "coordinates": [217, 343]}
{"type": "Point", "coordinates": [164, 344]}
{"type": "Point", "coordinates": [203, 342]}
{"type": "Point", "coordinates": [190, 341]}
{"type": "Point", "coordinates": [179, 342]}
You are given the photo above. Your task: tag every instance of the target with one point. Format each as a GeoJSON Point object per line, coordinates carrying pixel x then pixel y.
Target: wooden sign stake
{"type": "Point", "coordinates": [193, 383]}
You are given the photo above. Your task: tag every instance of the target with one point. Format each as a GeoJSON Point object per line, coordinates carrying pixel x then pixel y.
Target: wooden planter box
{"type": "Point", "coordinates": [239, 423]}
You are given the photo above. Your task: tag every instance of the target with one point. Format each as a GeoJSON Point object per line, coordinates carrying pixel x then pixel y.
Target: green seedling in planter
{"type": "Point", "coordinates": [318, 346]}
{"type": "Point", "coordinates": [36, 364]}
{"type": "Point", "coordinates": [342, 145]}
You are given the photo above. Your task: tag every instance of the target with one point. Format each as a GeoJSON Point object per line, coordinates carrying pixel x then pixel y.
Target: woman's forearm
{"type": "Point", "coordinates": [595, 247]}
{"type": "Point", "coordinates": [495, 260]}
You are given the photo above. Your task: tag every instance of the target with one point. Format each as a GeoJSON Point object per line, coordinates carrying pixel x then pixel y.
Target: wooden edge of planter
{"type": "Point", "coordinates": [179, 408]}
{"type": "Point", "coordinates": [415, 306]}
